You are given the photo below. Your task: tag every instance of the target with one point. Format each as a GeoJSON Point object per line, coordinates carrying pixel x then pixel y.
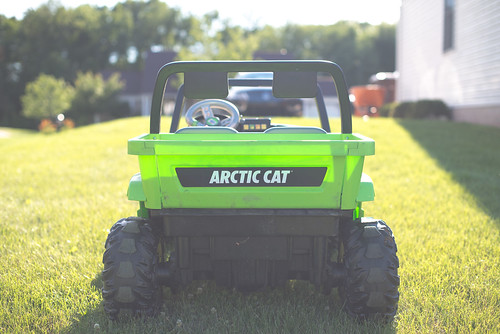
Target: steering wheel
{"type": "Point", "coordinates": [213, 112]}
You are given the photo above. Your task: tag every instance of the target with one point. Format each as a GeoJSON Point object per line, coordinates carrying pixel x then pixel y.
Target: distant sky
{"type": "Point", "coordinates": [251, 13]}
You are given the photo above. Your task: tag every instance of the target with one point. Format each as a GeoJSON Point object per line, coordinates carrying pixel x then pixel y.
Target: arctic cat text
{"type": "Point", "coordinates": [252, 177]}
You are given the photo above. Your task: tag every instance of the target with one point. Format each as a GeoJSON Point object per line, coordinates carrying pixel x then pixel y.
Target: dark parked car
{"type": "Point", "coordinates": [259, 101]}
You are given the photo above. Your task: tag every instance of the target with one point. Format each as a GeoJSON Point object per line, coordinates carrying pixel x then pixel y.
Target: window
{"type": "Point", "coordinates": [449, 25]}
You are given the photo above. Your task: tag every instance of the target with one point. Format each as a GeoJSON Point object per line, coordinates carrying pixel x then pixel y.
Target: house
{"type": "Point", "coordinates": [450, 50]}
{"type": "Point", "coordinates": [139, 85]}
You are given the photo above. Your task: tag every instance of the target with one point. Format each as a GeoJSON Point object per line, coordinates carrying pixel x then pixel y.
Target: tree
{"type": "Point", "coordinates": [10, 67]}
{"type": "Point", "coordinates": [96, 98]}
{"type": "Point", "coordinates": [230, 42]}
{"type": "Point", "coordinates": [269, 38]}
{"type": "Point", "coordinates": [384, 42]}
{"type": "Point", "coordinates": [154, 25]}
{"type": "Point", "coordinates": [62, 41]}
{"type": "Point", "coordinates": [46, 97]}
{"type": "Point", "coordinates": [59, 41]}
{"type": "Point", "coordinates": [359, 48]}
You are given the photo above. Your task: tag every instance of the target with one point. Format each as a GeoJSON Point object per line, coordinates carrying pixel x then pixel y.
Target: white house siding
{"type": "Point", "coordinates": [466, 77]}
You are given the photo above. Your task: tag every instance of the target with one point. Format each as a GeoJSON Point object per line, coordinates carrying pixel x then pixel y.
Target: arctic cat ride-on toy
{"type": "Point", "coordinates": [248, 203]}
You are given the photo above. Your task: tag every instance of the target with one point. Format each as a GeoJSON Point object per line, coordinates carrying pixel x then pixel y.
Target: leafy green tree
{"type": "Point", "coordinates": [201, 32]}
{"type": "Point", "coordinates": [155, 25]}
{"type": "Point", "coordinates": [234, 42]}
{"type": "Point", "coordinates": [10, 68]}
{"type": "Point", "coordinates": [96, 98]}
{"type": "Point", "coordinates": [118, 27]}
{"type": "Point", "coordinates": [339, 44]}
{"type": "Point", "coordinates": [230, 42]}
{"type": "Point", "coordinates": [384, 43]}
{"type": "Point", "coordinates": [46, 97]}
{"type": "Point", "coordinates": [62, 42]}
{"type": "Point", "coordinates": [269, 39]}
{"type": "Point", "coordinates": [359, 48]}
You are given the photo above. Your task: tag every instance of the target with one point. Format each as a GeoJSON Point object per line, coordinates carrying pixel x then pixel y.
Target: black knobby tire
{"type": "Point", "coordinates": [130, 264]}
{"type": "Point", "coordinates": [371, 287]}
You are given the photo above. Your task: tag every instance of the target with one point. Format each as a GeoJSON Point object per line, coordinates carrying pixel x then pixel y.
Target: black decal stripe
{"type": "Point", "coordinates": [259, 176]}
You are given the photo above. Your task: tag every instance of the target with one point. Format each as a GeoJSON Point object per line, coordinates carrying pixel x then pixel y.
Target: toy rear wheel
{"type": "Point", "coordinates": [130, 269]}
{"type": "Point", "coordinates": [370, 289]}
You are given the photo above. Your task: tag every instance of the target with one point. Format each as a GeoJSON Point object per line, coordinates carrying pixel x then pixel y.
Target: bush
{"type": "Point", "coordinates": [46, 97]}
{"type": "Point", "coordinates": [387, 109]}
{"type": "Point", "coordinates": [418, 109]}
{"type": "Point", "coordinates": [53, 125]}
{"type": "Point", "coordinates": [46, 126]}
{"type": "Point", "coordinates": [432, 109]}
{"type": "Point", "coordinates": [404, 110]}
{"type": "Point", "coordinates": [96, 98]}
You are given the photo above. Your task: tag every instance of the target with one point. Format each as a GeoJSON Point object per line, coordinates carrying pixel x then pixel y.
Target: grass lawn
{"type": "Point", "coordinates": [437, 186]}
{"type": "Point", "coordinates": [13, 133]}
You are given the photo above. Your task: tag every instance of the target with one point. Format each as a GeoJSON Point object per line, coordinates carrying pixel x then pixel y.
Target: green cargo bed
{"type": "Point", "coordinates": [251, 170]}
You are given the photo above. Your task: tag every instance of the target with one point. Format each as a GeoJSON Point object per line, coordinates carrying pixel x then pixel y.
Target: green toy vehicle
{"type": "Point", "coordinates": [248, 203]}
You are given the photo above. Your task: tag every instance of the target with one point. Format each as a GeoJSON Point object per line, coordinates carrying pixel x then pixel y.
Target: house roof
{"type": "Point", "coordinates": [143, 81]}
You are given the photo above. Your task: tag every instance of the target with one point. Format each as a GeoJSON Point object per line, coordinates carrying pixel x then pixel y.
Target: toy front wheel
{"type": "Point", "coordinates": [130, 265]}
{"type": "Point", "coordinates": [371, 286]}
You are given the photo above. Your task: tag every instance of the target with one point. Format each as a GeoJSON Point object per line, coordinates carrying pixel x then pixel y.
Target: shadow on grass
{"type": "Point", "coordinates": [470, 153]}
{"type": "Point", "coordinates": [205, 308]}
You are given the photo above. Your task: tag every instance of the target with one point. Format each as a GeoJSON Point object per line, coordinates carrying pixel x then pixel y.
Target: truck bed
{"type": "Point", "coordinates": [235, 170]}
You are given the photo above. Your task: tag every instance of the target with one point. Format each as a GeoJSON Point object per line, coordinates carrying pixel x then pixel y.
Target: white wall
{"type": "Point", "coordinates": [467, 77]}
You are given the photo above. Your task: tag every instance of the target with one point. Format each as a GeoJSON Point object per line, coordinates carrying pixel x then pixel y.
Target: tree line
{"type": "Point", "coordinates": [68, 44]}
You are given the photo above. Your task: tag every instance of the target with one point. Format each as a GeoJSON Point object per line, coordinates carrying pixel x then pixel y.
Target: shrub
{"type": "Point", "coordinates": [46, 97]}
{"type": "Point", "coordinates": [53, 125]}
{"type": "Point", "coordinates": [68, 124]}
{"type": "Point", "coordinates": [432, 109]}
{"type": "Point", "coordinates": [387, 109]}
{"type": "Point", "coordinates": [404, 110]}
{"type": "Point", "coordinates": [418, 109]}
{"type": "Point", "coordinates": [47, 126]}
{"type": "Point", "coordinates": [96, 98]}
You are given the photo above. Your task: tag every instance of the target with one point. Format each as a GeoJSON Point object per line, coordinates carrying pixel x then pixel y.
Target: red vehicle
{"type": "Point", "coordinates": [367, 99]}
